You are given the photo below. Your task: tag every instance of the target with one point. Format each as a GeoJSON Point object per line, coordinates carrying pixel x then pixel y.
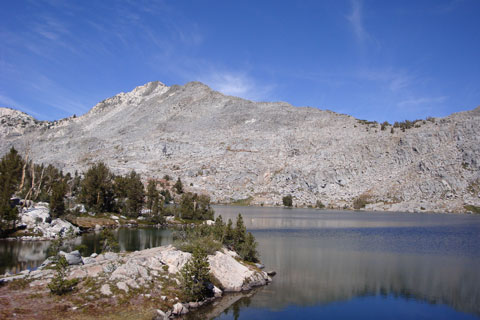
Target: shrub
{"type": "Point", "coordinates": [287, 201]}
{"type": "Point", "coordinates": [59, 284]}
{"type": "Point", "coordinates": [319, 205]}
{"type": "Point", "coordinates": [360, 202]}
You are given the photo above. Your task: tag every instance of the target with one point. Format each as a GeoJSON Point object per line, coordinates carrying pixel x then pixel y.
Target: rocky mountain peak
{"type": "Point", "coordinates": [237, 149]}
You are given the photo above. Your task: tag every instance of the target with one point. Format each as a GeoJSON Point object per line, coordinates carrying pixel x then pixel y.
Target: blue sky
{"type": "Point", "coordinates": [376, 60]}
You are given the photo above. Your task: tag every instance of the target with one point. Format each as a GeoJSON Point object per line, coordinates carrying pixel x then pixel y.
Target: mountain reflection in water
{"type": "Point", "coordinates": [323, 257]}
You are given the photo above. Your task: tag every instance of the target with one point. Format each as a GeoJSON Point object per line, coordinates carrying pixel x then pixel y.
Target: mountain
{"type": "Point", "coordinates": [258, 152]}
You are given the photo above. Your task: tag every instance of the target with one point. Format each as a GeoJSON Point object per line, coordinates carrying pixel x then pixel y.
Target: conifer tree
{"type": "Point", "coordinates": [152, 194]}
{"type": "Point", "coordinates": [11, 166]}
{"type": "Point", "coordinates": [178, 186]}
{"type": "Point", "coordinates": [228, 238]}
{"type": "Point", "coordinates": [135, 194]}
{"type": "Point", "coordinates": [57, 203]}
{"type": "Point", "coordinates": [97, 188]}
{"type": "Point", "coordinates": [196, 277]}
{"type": "Point", "coordinates": [239, 233]}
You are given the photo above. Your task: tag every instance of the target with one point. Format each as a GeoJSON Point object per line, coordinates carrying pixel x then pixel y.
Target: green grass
{"type": "Point", "coordinates": [472, 208]}
{"type": "Point", "coordinates": [242, 202]}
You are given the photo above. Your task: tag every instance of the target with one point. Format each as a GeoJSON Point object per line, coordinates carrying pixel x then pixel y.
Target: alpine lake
{"type": "Point", "coordinates": [331, 264]}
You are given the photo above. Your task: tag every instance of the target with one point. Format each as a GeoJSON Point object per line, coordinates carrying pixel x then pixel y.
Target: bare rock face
{"type": "Point", "coordinates": [236, 149]}
{"type": "Point", "coordinates": [233, 275]}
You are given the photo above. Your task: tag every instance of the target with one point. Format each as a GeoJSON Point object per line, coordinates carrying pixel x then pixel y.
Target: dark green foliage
{"type": "Point", "coordinates": [392, 131]}
{"type": "Point", "coordinates": [384, 125]}
{"type": "Point", "coordinates": [178, 186]}
{"type": "Point", "coordinates": [196, 277]}
{"type": "Point", "coordinates": [219, 228]}
{"type": "Point", "coordinates": [135, 195]}
{"type": "Point", "coordinates": [108, 241]}
{"type": "Point", "coordinates": [472, 208]}
{"type": "Point", "coordinates": [97, 188]}
{"type": "Point", "coordinates": [248, 250]}
{"type": "Point", "coordinates": [287, 200]}
{"type": "Point", "coordinates": [211, 238]}
{"type": "Point", "coordinates": [319, 205]}
{"type": "Point", "coordinates": [194, 207]}
{"type": "Point", "coordinates": [10, 175]}
{"type": "Point", "coordinates": [360, 202]}
{"type": "Point", "coordinates": [167, 197]}
{"type": "Point", "coordinates": [59, 285]}
{"type": "Point", "coordinates": [186, 208]}
{"type": "Point", "coordinates": [152, 194]}
{"type": "Point", "coordinates": [167, 177]}
{"type": "Point", "coordinates": [228, 235]}
{"type": "Point", "coordinates": [239, 233]}
{"type": "Point", "coordinates": [57, 203]}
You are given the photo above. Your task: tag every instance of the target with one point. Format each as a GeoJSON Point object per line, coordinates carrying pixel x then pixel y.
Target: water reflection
{"type": "Point", "coordinates": [16, 256]}
{"type": "Point", "coordinates": [324, 257]}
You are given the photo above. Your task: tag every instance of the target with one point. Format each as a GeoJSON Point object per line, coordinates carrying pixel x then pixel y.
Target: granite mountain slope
{"type": "Point", "coordinates": [238, 149]}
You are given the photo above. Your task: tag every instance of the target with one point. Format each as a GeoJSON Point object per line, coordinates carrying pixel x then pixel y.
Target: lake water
{"type": "Point", "coordinates": [335, 264]}
{"type": "Point", "coordinates": [362, 264]}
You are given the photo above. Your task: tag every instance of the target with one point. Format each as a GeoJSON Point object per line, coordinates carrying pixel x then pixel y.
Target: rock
{"type": "Point", "coordinates": [111, 256]}
{"type": "Point", "coordinates": [192, 305]}
{"type": "Point", "coordinates": [259, 265]}
{"type": "Point", "coordinates": [217, 293]}
{"type": "Point", "coordinates": [98, 227]}
{"type": "Point", "coordinates": [105, 290]}
{"type": "Point", "coordinates": [233, 275]}
{"type": "Point", "coordinates": [335, 156]}
{"type": "Point", "coordinates": [94, 255]}
{"type": "Point", "coordinates": [93, 271]}
{"type": "Point", "coordinates": [179, 308]}
{"type": "Point", "coordinates": [161, 315]}
{"type": "Point", "coordinates": [45, 263]}
{"type": "Point", "coordinates": [122, 286]}
{"type": "Point", "coordinates": [164, 298]}
{"type": "Point", "coordinates": [132, 284]}
{"type": "Point", "coordinates": [209, 222]}
{"type": "Point", "coordinates": [73, 258]}
{"type": "Point", "coordinates": [271, 273]}
{"type": "Point", "coordinates": [88, 260]}
{"type": "Point", "coordinates": [114, 217]}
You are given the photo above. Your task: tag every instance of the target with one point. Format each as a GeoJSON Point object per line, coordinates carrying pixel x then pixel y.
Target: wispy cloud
{"type": "Point", "coordinates": [237, 84]}
{"type": "Point", "coordinates": [421, 101]}
{"type": "Point", "coordinates": [356, 20]}
{"type": "Point", "coordinates": [393, 79]}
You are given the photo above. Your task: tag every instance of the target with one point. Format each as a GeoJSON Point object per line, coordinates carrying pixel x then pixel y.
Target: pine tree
{"type": "Point", "coordinates": [57, 203]}
{"type": "Point", "coordinates": [196, 277]}
{"type": "Point", "coordinates": [239, 233]}
{"type": "Point", "coordinates": [178, 186]}
{"type": "Point", "coordinates": [248, 250]}
{"type": "Point", "coordinates": [135, 195]}
{"type": "Point", "coordinates": [228, 238]}
{"type": "Point", "coordinates": [97, 188]}
{"type": "Point", "coordinates": [152, 194]}
{"type": "Point", "coordinates": [10, 174]}
{"type": "Point", "coordinates": [219, 229]}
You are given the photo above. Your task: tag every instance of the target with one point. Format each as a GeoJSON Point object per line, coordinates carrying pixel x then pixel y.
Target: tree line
{"type": "Point", "coordinates": [98, 189]}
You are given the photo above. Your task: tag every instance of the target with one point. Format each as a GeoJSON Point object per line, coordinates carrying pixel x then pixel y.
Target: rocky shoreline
{"type": "Point", "coordinates": [149, 276]}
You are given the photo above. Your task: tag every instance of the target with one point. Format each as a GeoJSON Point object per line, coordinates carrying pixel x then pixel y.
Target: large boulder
{"type": "Point", "coordinates": [34, 216]}
{"type": "Point", "coordinates": [73, 258]}
{"type": "Point", "coordinates": [233, 275]}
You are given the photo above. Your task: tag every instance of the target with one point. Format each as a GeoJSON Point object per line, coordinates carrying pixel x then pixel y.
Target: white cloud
{"type": "Point", "coordinates": [356, 20]}
{"type": "Point", "coordinates": [421, 101]}
{"type": "Point", "coordinates": [237, 84]}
